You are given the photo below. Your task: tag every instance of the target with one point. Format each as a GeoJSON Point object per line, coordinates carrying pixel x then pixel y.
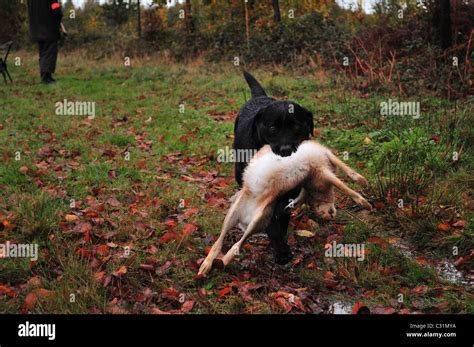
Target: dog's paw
{"type": "Point", "coordinates": [283, 257]}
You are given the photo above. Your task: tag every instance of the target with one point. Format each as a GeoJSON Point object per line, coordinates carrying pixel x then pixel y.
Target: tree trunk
{"type": "Point", "coordinates": [139, 24]}
{"type": "Point", "coordinates": [442, 22]}
{"type": "Point", "coordinates": [276, 11]}
{"type": "Point", "coordinates": [189, 17]}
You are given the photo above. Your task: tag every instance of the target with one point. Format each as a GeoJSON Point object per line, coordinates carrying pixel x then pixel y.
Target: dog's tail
{"type": "Point", "coordinates": [255, 87]}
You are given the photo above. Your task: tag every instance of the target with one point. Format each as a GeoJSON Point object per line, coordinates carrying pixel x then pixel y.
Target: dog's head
{"type": "Point", "coordinates": [283, 125]}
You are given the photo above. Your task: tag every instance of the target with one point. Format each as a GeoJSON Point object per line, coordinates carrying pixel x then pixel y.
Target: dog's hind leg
{"type": "Point", "coordinates": [351, 173]}
{"type": "Point", "coordinates": [359, 199]}
{"type": "Point", "coordinates": [230, 220]}
{"type": "Point", "coordinates": [261, 215]}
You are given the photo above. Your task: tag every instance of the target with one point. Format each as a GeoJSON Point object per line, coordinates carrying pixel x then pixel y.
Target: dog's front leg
{"type": "Point", "coordinates": [278, 227]}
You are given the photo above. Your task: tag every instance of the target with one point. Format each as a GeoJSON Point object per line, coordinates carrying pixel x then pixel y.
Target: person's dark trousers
{"type": "Point", "coordinates": [48, 55]}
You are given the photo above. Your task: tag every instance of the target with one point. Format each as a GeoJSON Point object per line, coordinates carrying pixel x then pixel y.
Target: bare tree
{"type": "Point", "coordinates": [442, 22]}
{"type": "Point", "coordinates": [276, 11]}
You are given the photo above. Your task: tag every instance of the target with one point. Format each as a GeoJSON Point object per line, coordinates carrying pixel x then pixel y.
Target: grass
{"type": "Point", "coordinates": [147, 195]}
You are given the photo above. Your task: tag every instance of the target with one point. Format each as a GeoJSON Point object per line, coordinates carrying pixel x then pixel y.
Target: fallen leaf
{"type": "Point", "coordinates": [224, 292]}
{"type": "Point", "coordinates": [113, 202]}
{"type": "Point", "coordinates": [7, 291]}
{"type": "Point", "coordinates": [360, 308]}
{"type": "Point", "coordinates": [443, 227]}
{"type": "Point", "coordinates": [187, 306]}
{"type": "Point", "coordinates": [420, 289]}
{"type": "Point", "coordinates": [120, 272]}
{"type": "Point", "coordinates": [459, 224]}
{"type": "Point", "coordinates": [304, 233]}
{"type": "Point", "coordinates": [33, 296]}
{"type": "Point", "coordinates": [71, 217]}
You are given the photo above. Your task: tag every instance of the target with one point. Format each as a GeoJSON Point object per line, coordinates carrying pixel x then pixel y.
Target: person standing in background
{"type": "Point", "coordinates": [45, 24]}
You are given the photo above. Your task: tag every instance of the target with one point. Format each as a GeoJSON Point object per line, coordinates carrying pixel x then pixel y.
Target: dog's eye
{"type": "Point", "coordinates": [272, 129]}
{"type": "Point", "coordinates": [296, 127]}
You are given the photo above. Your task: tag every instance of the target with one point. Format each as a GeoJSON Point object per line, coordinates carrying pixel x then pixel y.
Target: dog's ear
{"type": "Point", "coordinates": [308, 116]}
{"type": "Point", "coordinates": [255, 126]}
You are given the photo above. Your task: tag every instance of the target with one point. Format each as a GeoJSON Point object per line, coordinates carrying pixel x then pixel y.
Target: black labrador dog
{"type": "Point", "coordinates": [283, 125]}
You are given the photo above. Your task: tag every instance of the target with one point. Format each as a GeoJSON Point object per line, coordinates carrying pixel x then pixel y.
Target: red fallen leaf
{"type": "Point", "coordinates": [284, 304]}
{"type": "Point", "coordinates": [34, 295]}
{"type": "Point", "coordinates": [83, 252]}
{"type": "Point", "coordinates": [187, 306]}
{"type": "Point", "coordinates": [102, 250]}
{"type": "Point", "coordinates": [360, 308]}
{"type": "Point", "coordinates": [404, 311]}
{"type": "Point", "coordinates": [99, 276]}
{"type": "Point", "coordinates": [112, 174]}
{"type": "Point", "coordinates": [232, 284]}
{"type": "Point", "coordinates": [122, 270]}
{"type": "Point", "coordinates": [292, 299]}
{"type": "Point", "coordinates": [157, 311]}
{"type": "Point", "coordinates": [171, 293]}
{"type": "Point", "coordinates": [107, 280]}
{"type": "Point", "coordinates": [24, 169]}
{"type": "Point", "coordinates": [378, 241]}
{"type": "Point", "coordinates": [461, 260]}
{"type": "Point", "coordinates": [152, 249]}
{"type": "Point", "coordinates": [170, 222]}
{"type": "Point", "coordinates": [420, 289]}
{"type": "Point", "coordinates": [422, 260]}
{"type": "Point", "coordinates": [224, 292]}
{"type": "Point", "coordinates": [443, 227]}
{"type": "Point", "coordinates": [389, 310]}
{"type": "Point", "coordinates": [113, 202]}
{"type": "Point", "coordinates": [191, 211]}
{"type": "Point", "coordinates": [167, 237]}
{"type": "Point", "coordinates": [82, 227]}
{"type": "Point", "coordinates": [379, 205]}
{"type": "Point", "coordinates": [147, 267]}
{"type": "Point", "coordinates": [188, 229]}
{"type": "Point", "coordinates": [459, 224]}
{"type": "Point", "coordinates": [8, 291]}
{"type": "Point", "coordinates": [160, 271]}
{"type": "Point", "coordinates": [435, 138]}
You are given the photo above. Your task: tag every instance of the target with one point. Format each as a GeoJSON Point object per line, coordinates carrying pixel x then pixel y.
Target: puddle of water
{"type": "Point", "coordinates": [449, 272]}
{"type": "Point", "coordinates": [444, 269]}
{"type": "Point", "coordinates": [340, 308]}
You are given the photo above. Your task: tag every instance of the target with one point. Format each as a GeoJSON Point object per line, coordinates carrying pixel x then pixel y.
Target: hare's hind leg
{"type": "Point", "coordinates": [260, 217]}
{"type": "Point", "coordinates": [336, 182]}
{"type": "Point", "coordinates": [350, 172]}
{"type": "Point", "coordinates": [231, 219]}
